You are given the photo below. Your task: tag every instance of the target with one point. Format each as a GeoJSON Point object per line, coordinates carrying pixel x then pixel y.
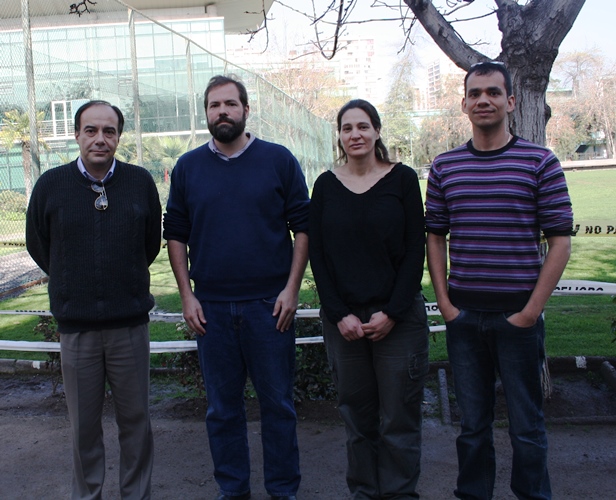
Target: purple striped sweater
{"type": "Point", "coordinates": [494, 205]}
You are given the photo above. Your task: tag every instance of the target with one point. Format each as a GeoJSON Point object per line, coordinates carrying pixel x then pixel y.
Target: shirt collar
{"type": "Point", "coordinates": [214, 149]}
{"type": "Point", "coordinates": [87, 175]}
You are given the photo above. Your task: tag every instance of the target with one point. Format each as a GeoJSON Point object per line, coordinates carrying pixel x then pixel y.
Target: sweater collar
{"type": "Point", "coordinates": [220, 154]}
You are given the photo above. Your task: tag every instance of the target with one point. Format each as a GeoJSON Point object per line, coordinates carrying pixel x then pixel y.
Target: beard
{"type": "Point", "coordinates": [226, 130]}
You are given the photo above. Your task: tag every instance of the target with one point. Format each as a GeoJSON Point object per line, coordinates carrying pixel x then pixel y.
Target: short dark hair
{"type": "Point", "coordinates": [219, 81]}
{"type": "Point", "coordinates": [489, 67]}
{"type": "Point", "coordinates": [89, 104]}
{"type": "Point", "coordinates": [380, 150]}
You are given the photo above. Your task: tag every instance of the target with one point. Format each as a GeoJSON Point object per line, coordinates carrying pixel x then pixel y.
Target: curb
{"type": "Point", "coordinates": [443, 394]}
{"type": "Point", "coordinates": [609, 374]}
{"type": "Point", "coordinates": [556, 365]}
{"type": "Point", "coordinates": [13, 366]}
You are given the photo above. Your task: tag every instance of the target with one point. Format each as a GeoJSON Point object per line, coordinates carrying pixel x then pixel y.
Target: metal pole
{"type": "Point", "coordinates": [34, 149]}
{"type": "Point", "coordinates": [191, 98]}
{"type": "Point", "coordinates": [135, 75]}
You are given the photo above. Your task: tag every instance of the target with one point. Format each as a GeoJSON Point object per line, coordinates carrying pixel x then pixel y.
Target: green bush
{"type": "Point", "coordinates": [48, 328]}
{"type": "Point", "coordinates": [187, 363]}
{"type": "Point", "coordinates": [12, 201]}
{"type": "Point", "coordinates": [313, 377]}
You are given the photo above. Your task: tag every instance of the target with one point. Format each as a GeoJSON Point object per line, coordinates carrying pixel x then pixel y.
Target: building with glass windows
{"type": "Point", "coordinates": [153, 62]}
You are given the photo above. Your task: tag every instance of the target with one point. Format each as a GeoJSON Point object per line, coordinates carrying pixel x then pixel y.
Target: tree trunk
{"type": "Point", "coordinates": [27, 164]}
{"type": "Point", "coordinates": [532, 34]}
{"type": "Point", "coordinates": [531, 113]}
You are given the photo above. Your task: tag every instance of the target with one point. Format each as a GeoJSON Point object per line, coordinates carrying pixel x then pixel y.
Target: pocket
{"type": "Point", "coordinates": [419, 365]}
{"type": "Point", "coordinates": [505, 319]}
{"type": "Point", "coordinates": [456, 319]}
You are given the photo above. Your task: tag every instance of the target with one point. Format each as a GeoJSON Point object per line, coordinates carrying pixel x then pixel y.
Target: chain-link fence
{"type": "Point", "coordinates": [154, 65]}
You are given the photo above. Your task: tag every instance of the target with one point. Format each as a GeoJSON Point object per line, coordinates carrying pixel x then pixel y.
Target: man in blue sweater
{"type": "Point", "coordinates": [494, 195]}
{"type": "Point", "coordinates": [234, 202]}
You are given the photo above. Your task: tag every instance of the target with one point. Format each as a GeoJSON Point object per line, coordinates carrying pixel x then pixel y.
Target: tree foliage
{"type": "Point", "coordinates": [444, 129]}
{"type": "Point", "coordinates": [168, 149]}
{"type": "Point", "coordinates": [584, 109]}
{"type": "Point", "coordinates": [397, 115]}
{"type": "Point", "coordinates": [16, 129]}
{"type": "Point", "coordinates": [312, 85]}
{"type": "Point", "coordinates": [531, 33]}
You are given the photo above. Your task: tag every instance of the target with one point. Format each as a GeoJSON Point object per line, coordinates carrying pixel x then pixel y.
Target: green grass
{"type": "Point", "coordinates": [576, 325]}
{"type": "Point", "coordinates": [592, 194]}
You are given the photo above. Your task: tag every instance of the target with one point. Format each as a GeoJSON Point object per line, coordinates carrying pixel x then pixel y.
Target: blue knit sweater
{"type": "Point", "coordinates": [236, 217]}
{"type": "Point", "coordinates": [494, 205]}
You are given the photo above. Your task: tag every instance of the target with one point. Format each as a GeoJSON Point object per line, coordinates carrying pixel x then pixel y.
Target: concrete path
{"type": "Point", "coordinates": [35, 455]}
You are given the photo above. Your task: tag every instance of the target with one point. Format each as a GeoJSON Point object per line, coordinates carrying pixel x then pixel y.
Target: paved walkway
{"type": "Point", "coordinates": [35, 460]}
{"type": "Point", "coordinates": [35, 454]}
{"type": "Point", "coordinates": [17, 269]}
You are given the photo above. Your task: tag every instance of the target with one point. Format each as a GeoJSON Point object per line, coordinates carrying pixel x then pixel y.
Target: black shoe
{"type": "Point", "coordinates": [285, 497]}
{"type": "Point", "coordinates": [245, 496]}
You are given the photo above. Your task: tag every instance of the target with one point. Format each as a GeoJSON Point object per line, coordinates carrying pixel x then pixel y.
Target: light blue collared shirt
{"type": "Point", "coordinates": [212, 145]}
{"type": "Point", "coordinates": [87, 175]}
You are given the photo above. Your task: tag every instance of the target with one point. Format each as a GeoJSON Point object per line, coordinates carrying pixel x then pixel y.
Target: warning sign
{"type": "Point", "coordinates": [594, 228]}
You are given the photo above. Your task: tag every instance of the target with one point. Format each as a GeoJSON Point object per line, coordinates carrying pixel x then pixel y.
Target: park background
{"type": "Point", "coordinates": [293, 101]}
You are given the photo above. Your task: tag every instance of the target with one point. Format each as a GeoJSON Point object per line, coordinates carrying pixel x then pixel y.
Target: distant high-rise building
{"type": "Point", "coordinates": [353, 65]}
{"type": "Point", "coordinates": [439, 71]}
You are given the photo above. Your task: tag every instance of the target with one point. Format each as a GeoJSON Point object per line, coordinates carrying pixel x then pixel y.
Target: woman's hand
{"type": "Point", "coordinates": [378, 327]}
{"type": "Point", "coordinates": [350, 327]}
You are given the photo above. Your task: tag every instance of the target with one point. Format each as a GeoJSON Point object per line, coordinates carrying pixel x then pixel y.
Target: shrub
{"type": "Point", "coordinates": [313, 377]}
{"type": "Point", "coordinates": [186, 362]}
{"type": "Point", "coordinates": [12, 201]}
{"type": "Point", "coordinates": [48, 327]}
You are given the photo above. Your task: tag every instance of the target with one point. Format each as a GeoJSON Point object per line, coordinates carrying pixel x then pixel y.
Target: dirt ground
{"type": "Point", "coordinates": [35, 447]}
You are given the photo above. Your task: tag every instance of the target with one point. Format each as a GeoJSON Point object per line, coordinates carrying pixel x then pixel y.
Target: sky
{"type": "Point", "coordinates": [592, 31]}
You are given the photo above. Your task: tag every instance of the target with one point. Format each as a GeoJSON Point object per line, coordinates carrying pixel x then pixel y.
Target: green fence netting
{"type": "Point", "coordinates": [154, 65]}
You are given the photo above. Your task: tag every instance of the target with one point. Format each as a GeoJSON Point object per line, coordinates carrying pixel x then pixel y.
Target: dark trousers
{"type": "Point", "coordinates": [480, 345]}
{"type": "Point", "coordinates": [241, 341]}
{"type": "Point", "coordinates": [380, 391]}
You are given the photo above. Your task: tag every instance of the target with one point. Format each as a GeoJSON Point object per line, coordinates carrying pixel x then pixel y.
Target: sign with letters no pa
{"type": "Point", "coordinates": [594, 228]}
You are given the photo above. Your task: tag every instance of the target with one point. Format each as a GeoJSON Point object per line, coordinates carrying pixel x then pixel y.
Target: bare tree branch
{"type": "Point", "coordinates": [339, 24]}
{"type": "Point", "coordinates": [441, 31]}
{"type": "Point", "coordinates": [264, 27]}
{"type": "Point", "coordinates": [81, 7]}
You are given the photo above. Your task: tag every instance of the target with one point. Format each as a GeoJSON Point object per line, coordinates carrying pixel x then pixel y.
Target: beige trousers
{"type": "Point", "coordinates": [120, 357]}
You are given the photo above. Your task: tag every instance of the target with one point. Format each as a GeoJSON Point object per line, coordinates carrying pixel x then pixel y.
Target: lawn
{"type": "Point", "coordinates": [575, 325]}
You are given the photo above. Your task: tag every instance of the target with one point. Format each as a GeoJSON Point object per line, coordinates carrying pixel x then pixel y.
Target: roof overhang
{"type": "Point", "coordinates": [240, 15]}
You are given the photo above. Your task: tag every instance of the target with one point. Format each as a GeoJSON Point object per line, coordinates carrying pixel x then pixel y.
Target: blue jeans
{"type": "Point", "coordinates": [480, 344]}
{"type": "Point", "coordinates": [380, 391]}
{"type": "Point", "coordinates": [241, 338]}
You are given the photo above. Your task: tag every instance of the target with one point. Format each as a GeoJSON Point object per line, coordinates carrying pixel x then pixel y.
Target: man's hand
{"type": "Point", "coordinates": [285, 309]}
{"type": "Point", "coordinates": [522, 320]}
{"type": "Point", "coordinates": [350, 327]}
{"type": "Point", "coordinates": [449, 312]}
{"type": "Point", "coordinates": [378, 327]}
{"type": "Point", "coordinates": [193, 314]}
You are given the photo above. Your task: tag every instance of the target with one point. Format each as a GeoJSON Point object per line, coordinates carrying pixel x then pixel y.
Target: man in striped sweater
{"type": "Point", "coordinates": [494, 196]}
